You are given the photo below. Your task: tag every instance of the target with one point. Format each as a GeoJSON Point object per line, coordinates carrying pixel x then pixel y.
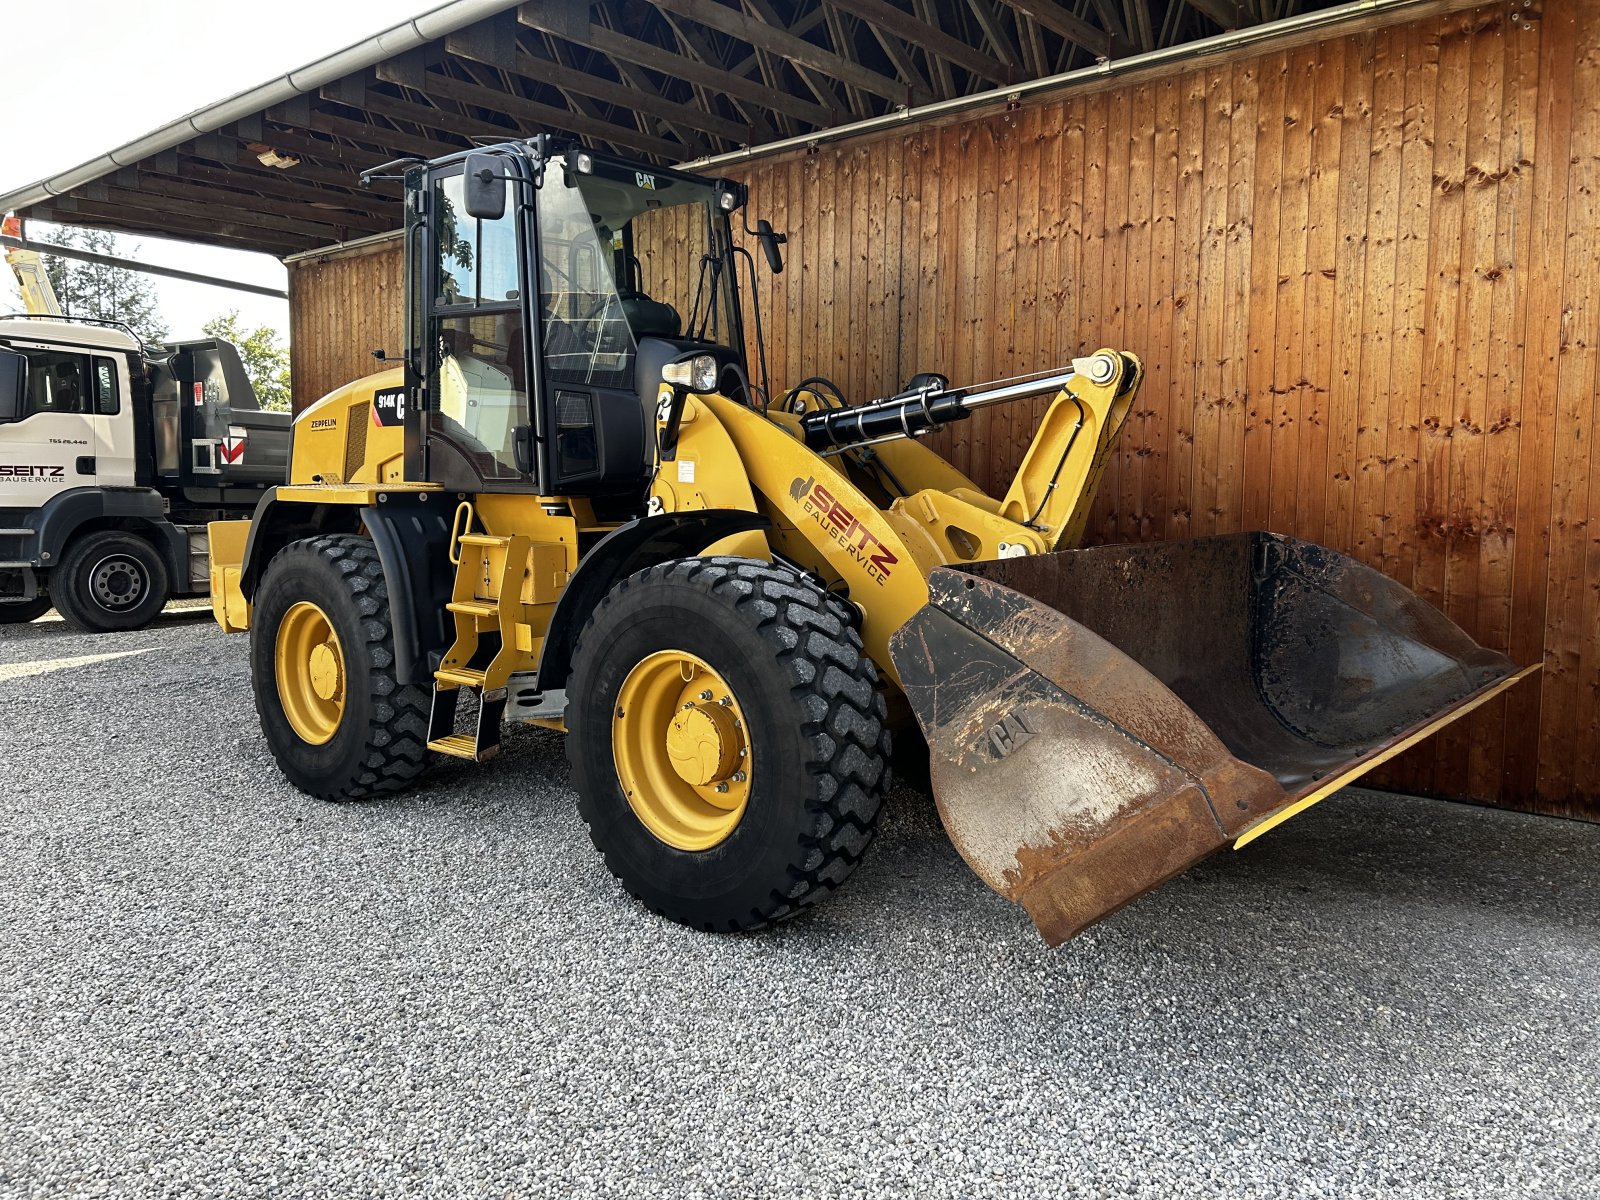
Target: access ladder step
{"type": "Point", "coordinates": [460, 676]}
{"type": "Point", "coordinates": [482, 539]}
{"type": "Point", "coordinates": [457, 745]}
{"type": "Point", "coordinates": [474, 608]}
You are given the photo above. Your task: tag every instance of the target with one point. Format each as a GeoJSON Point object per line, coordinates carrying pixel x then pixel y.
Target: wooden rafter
{"type": "Point", "coordinates": [1065, 23]}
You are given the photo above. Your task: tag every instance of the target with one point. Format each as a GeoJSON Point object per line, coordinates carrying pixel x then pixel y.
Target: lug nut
{"type": "Point", "coordinates": [722, 787]}
{"type": "Point", "coordinates": [738, 777]}
{"type": "Point", "coordinates": [726, 702]}
{"type": "Point", "coordinates": [706, 695]}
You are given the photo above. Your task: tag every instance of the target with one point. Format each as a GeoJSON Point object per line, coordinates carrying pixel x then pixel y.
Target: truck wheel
{"type": "Point", "coordinates": [109, 582]}
{"type": "Point", "coordinates": [322, 663]}
{"type": "Point", "coordinates": [20, 612]}
{"type": "Point", "coordinates": [727, 741]}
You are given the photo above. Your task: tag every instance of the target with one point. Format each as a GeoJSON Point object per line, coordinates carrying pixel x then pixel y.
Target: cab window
{"type": "Point", "coordinates": [55, 383]}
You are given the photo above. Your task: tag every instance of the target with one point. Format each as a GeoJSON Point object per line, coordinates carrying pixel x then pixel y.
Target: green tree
{"type": "Point", "coordinates": [95, 290]}
{"type": "Point", "coordinates": [265, 360]}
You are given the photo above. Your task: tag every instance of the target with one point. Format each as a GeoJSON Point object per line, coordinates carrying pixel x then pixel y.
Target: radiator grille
{"type": "Point", "coordinates": [355, 442]}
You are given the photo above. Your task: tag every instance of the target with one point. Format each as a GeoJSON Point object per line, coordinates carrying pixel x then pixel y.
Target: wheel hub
{"type": "Point", "coordinates": [682, 750]}
{"type": "Point", "coordinates": [116, 583]}
{"type": "Point", "coordinates": [310, 668]}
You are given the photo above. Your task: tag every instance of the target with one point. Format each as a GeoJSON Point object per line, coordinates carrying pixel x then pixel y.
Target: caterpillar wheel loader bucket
{"type": "Point", "coordinates": [1101, 719]}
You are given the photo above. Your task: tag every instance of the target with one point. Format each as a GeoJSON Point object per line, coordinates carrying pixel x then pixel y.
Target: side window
{"type": "Point", "coordinates": [477, 259]}
{"type": "Point", "coordinates": [105, 387]}
{"type": "Point", "coordinates": [57, 382]}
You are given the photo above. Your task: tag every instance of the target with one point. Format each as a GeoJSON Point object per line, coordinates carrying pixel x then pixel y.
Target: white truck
{"type": "Point", "coordinates": [113, 457]}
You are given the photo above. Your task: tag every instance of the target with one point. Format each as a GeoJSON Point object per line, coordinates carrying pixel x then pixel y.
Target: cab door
{"type": "Point", "coordinates": [470, 412]}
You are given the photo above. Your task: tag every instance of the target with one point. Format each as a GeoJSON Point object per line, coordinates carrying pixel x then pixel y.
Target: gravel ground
{"type": "Point", "coordinates": [215, 986]}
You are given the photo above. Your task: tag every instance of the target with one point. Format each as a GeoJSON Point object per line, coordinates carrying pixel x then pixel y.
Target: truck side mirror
{"type": "Point", "coordinates": [770, 241]}
{"type": "Point", "coordinates": [484, 187]}
{"type": "Point", "coordinates": [13, 384]}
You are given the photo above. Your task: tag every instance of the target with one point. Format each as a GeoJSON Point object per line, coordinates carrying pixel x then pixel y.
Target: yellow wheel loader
{"type": "Point", "coordinates": [575, 504]}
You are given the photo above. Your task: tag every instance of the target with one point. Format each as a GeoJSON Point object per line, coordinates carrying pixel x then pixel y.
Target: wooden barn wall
{"type": "Point", "coordinates": [342, 306]}
{"type": "Point", "coordinates": [1363, 277]}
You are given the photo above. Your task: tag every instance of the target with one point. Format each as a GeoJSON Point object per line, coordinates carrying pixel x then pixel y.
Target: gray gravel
{"type": "Point", "coordinates": [216, 986]}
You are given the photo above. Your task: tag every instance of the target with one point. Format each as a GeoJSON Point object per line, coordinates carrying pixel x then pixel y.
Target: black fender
{"type": "Point", "coordinates": [59, 518]}
{"type": "Point", "coordinates": [411, 531]}
{"type": "Point", "coordinates": [641, 543]}
{"type": "Point", "coordinates": [275, 523]}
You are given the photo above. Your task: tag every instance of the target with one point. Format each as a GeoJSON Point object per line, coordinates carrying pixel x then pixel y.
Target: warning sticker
{"type": "Point", "coordinates": [686, 470]}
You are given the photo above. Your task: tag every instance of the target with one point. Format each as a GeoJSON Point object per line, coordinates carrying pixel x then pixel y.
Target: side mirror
{"type": "Point", "coordinates": [484, 187]}
{"type": "Point", "coordinates": [770, 241]}
{"type": "Point", "coordinates": [13, 384]}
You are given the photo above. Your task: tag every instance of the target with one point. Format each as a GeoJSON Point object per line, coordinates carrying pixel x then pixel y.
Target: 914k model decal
{"type": "Point", "coordinates": [389, 407]}
{"type": "Point", "coordinates": [844, 527]}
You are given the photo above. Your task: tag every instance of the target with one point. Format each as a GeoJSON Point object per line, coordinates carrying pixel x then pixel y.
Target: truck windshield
{"type": "Point", "coordinates": [624, 255]}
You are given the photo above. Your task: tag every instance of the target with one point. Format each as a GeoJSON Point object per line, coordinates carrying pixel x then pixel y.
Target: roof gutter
{"type": "Point", "coordinates": [1305, 25]}
{"type": "Point", "coordinates": [436, 23]}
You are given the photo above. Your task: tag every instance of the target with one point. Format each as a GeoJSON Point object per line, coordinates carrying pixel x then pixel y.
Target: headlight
{"type": "Point", "coordinates": [697, 374]}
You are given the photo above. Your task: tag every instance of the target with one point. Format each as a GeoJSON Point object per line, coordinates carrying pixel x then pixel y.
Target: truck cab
{"type": "Point", "coordinates": [113, 457]}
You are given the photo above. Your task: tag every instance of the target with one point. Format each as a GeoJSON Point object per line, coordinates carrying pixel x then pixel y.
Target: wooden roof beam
{"type": "Point", "coordinates": [1225, 14]}
{"type": "Point", "coordinates": [628, 94]}
{"type": "Point", "coordinates": [529, 114]}
{"type": "Point", "coordinates": [295, 210]}
{"type": "Point", "coordinates": [575, 27]}
{"type": "Point", "coordinates": [278, 185]}
{"type": "Point", "coordinates": [883, 16]}
{"type": "Point", "coordinates": [799, 52]}
{"type": "Point", "coordinates": [1065, 23]}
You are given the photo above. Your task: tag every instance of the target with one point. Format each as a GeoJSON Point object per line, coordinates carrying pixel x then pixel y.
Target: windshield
{"type": "Point", "coordinates": [623, 255]}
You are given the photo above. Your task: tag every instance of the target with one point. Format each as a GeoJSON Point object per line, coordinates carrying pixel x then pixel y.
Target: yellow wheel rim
{"type": "Point", "coordinates": [311, 675]}
{"type": "Point", "coordinates": [682, 750]}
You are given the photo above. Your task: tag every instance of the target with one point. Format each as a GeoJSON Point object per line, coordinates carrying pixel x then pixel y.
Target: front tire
{"type": "Point", "coordinates": [695, 842]}
{"type": "Point", "coordinates": [109, 582]}
{"type": "Point", "coordinates": [20, 612]}
{"type": "Point", "coordinates": [322, 663]}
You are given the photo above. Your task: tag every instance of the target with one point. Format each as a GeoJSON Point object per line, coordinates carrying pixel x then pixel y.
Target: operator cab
{"type": "Point", "coordinates": [547, 288]}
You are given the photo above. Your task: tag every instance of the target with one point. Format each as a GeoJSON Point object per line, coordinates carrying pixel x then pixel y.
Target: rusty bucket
{"type": "Point", "coordinates": [1101, 719]}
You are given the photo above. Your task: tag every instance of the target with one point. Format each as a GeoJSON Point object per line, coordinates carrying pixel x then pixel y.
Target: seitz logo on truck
{"type": "Point", "coordinates": [844, 527]}
{"type": "Point", "coordinates": [32, 472]}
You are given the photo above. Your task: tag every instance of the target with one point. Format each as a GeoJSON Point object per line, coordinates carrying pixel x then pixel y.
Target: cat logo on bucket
{"type": "Point", "coordinates": [844, 527]}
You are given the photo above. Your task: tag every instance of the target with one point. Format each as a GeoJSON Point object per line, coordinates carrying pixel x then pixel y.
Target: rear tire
{"type": "Point", "coordinates": [20, 612]}
{"type": "Point", "coordinates": [109, 582]}
{"type": "Point", "coordinates": [321, 624]}
{"type": "Point", "coordinates": [817, 744]}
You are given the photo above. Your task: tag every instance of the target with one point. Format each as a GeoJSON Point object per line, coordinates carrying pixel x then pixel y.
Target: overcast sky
{"type": "Point", "coordinates": [86, 76]}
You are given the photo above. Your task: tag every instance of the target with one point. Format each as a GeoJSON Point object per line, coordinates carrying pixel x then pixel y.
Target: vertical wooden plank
{"type": "Point", "coordinates": [1134, 448]}
{"type": "Point", "coordinates": [1261, 401]}
{"type": "Point", "coordinates": [1233, 413]}
{"type": "Point", "coordinates": [1568, 677]}
{"type": "Point", "coordinates": [1289, 328]}
{"type": "Point", "coordinates": [1028, 249]}
{"type": "Point", "coordinates": [966, 449]}
{"type": "Point", "coordinates": [1051, 231]}
{"type": "Point", "coordinates": [1474, 312]}
{"type": "Point", "coordinates": [1212, 318]}
{"type": "Point", "coordinates": [1540, 366]}
{"type": "Point", "coordinates": [1316, 349]}
{"type": "Point", "coordinates": [1505, 411]}
{"type": "Point", "coordinates": [1160, 390]}
{"type": "Point", "coordinates": [1585, 250]}
{"type": "Point", "coordinates": [982, 337]}
{"type": "Point", "coordinates": [1002, 301]}
{"type": "Point", "coordinates": [1365, 221]}
{"type": "Point", "coordinates": [1187, 303]}
{"type": "Point", "coordinates": [1113, 288]}
{"type": "Point", "coordinates": [1093, 327]}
